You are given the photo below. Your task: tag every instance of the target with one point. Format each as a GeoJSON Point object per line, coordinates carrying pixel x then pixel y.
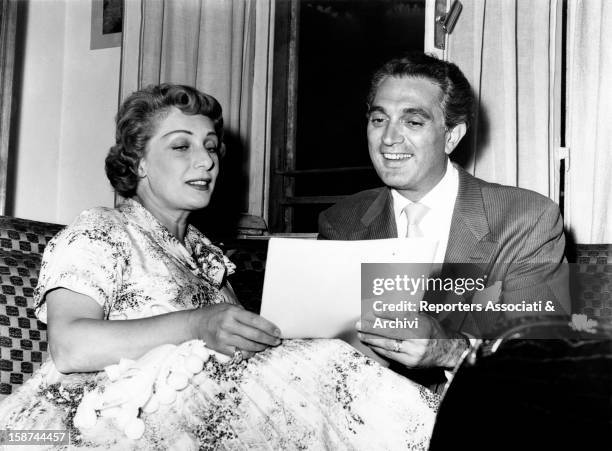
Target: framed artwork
{"type": "Point", "coordinates": [106, 23]}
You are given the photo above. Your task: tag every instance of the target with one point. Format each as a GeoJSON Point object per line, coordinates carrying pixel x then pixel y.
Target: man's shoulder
{"type": "Point", "coordinates": [510, 210]}
{"type": "Point", "coordinates": [340, 221]}
{"type": "Point", "coordinates": [503, 197]}
{"type": "Point", "coordinates": [354, 205]}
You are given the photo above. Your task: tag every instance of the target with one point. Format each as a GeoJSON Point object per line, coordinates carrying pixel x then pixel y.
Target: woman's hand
{"type": "Point", "coordinates": [228, 328]}
{"type": "Point", "coordinates": [81, 340]}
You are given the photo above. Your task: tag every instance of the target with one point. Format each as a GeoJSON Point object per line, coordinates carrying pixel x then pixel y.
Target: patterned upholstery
{"type": "Point", "coordinates": [23, 339]}
{"type": "Point", "coordinates": [592, 280]}
{"type": "Point", "coordinates": [26, 236]}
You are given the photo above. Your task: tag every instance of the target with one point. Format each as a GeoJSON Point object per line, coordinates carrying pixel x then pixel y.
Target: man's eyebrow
{"type": "Point", "coordinates": [376, 109]}
{"type": "Point", "coordinates": [418, 111]}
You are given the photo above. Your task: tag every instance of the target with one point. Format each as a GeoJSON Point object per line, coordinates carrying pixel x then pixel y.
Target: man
{"type": "Point", "coordinates": [419, 109]}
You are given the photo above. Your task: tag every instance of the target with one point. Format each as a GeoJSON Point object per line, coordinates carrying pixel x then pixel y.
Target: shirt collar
{"type": "Point", "coordinates": [439, 196]}
{"type": "Point", "coordinates": [145, 219]}
{"type": "Point", "coordinates": [200, 255]}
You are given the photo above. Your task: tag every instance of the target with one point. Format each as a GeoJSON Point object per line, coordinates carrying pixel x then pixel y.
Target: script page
{"type": "Point", "coordinates": [312, 289]}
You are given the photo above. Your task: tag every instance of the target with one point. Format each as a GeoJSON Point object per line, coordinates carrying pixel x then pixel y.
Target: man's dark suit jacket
{"type": "Point", "coordinates": [510, 235]}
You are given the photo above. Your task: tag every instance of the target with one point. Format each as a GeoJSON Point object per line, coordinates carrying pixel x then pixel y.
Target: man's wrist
{"type": "Point", "coordinates": [467, 340]}
{"type": "Point", "coordinates": [453, 349]}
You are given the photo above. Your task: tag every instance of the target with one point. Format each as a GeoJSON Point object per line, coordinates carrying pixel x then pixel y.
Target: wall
{"type": "Point", "coordinates": [68, 102]}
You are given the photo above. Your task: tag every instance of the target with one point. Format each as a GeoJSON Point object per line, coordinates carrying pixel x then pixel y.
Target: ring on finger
{"type": "Point", "coordinates": [397, 345]}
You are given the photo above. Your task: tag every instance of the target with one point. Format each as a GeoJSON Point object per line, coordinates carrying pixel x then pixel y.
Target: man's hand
{"type": "Point", "coordinates": [428, 345]}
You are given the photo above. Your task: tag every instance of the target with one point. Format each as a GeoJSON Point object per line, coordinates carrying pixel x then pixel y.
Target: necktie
{"type": "Point", "coordinates": [414, 213]}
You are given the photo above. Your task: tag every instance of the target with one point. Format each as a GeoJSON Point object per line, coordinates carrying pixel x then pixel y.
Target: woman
{"type": "Point", "coordinates": [120, 283]}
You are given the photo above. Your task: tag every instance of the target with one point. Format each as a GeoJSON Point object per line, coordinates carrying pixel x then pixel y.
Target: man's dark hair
{"type": "Point", "coordinates": [137, 119]}
{"type": "Point", "coordinates": [457, 101]}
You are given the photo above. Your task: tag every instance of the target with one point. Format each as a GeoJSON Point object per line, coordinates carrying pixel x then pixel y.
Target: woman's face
{"type": "Point", "coordinates": [181, 163]}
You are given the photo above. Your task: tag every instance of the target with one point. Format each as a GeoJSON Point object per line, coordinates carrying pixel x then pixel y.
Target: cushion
{"type": "Point", "coordinates": [591, 281]}
{"type": "Point", "coordinates": [23, 339]}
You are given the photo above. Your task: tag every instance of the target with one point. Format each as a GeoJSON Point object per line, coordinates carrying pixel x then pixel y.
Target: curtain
{"type": "Point", "coordinates": [224, 48]}
{"type": "Point", "coordinates": [8, 30]}
{"type": "Point", "coordinates": [588, 209]}
{"type": "Point", "coordinates": [507, 50]}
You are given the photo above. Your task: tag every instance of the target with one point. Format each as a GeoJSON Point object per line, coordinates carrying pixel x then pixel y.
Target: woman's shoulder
{"type": "Point", "coordinates": [96, 224]}
{"type": "Point", "coordinates": [102, 215]}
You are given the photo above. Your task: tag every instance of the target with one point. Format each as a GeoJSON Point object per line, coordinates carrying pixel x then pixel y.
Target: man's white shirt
{"type": "Point", "coordinates": [436, 224]}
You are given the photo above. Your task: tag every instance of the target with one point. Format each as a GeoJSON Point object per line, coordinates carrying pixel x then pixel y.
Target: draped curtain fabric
{"type": "Point", "coordinates": [8, 31]}
{"type": "Point", "coordinates": [506, 49]}
{"type": "Point", "coordinates": [589, 121]}
{"type": "Point", "coordinates": [224, 48]}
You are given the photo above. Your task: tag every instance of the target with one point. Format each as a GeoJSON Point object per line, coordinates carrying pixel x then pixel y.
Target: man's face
{"type": "Point", "coordinates": [407, 138]}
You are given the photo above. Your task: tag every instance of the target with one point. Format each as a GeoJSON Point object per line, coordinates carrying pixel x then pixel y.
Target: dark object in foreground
{"type": "Point", "coordinates": [531, 394]}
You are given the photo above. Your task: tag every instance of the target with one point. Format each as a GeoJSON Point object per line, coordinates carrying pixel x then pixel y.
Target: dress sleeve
{"type": "Point", "coordinates": [87, 257]}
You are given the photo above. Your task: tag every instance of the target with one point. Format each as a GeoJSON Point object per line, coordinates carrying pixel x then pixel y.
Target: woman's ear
{"type": "Point", "coordinates": [454, 136]}
{"type": "Point", "coordinates": [142, 171]}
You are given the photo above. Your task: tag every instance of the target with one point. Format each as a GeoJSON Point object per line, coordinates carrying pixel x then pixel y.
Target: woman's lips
{"type": "Point", "coordinates": [199, 184]}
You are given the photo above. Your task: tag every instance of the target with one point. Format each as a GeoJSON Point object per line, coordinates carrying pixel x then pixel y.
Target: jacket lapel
{"type": "Point", "coordinates": [468, 238]}
{"type": "Point", "coordinates": [468, 241]}
{"type": "Point", "coordinates": [469, 251]}
{"type": "Point", "coordinates": [378, 220]}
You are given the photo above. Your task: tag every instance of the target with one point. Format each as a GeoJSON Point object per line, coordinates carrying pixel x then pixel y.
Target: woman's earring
{"type": "Point", "coordinates": [141, 172]}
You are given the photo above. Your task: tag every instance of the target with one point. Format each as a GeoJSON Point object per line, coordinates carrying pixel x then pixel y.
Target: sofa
{"type": "Point", "coordinates": [23, 339]}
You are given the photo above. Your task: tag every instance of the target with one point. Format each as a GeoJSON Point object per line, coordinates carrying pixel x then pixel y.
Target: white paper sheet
{"type": "Point", "coordinates": [312, 289]}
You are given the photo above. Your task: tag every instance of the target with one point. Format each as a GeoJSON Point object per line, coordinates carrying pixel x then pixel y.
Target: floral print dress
{"type": "Point", "coordinates": [301, 395]}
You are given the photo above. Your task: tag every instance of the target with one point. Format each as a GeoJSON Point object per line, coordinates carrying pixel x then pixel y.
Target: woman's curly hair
{"type": "Point", "coordinates": [136, 122]}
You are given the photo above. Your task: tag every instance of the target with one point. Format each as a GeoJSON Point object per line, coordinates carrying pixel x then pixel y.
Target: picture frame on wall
{"type": "Point", "coordinates": [106, 23]}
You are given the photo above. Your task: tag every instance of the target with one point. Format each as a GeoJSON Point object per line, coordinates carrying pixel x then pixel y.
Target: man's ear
{"type": "Point", "coordinates": [453, 136]}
